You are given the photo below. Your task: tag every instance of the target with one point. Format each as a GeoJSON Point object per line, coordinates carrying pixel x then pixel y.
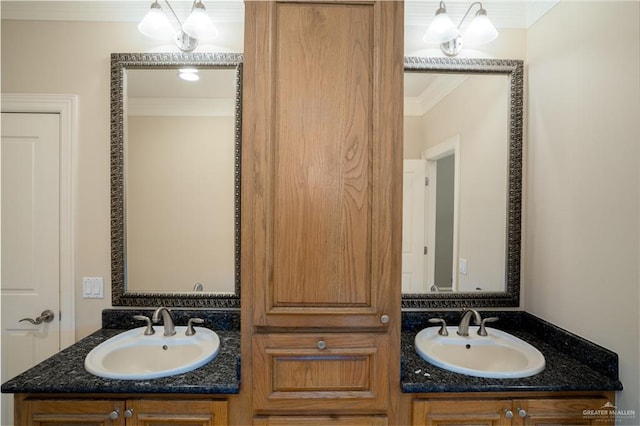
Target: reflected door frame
{"type": "Point", "coordinates": [67, 107]}
{"type": "Point", "coordinates": [432, 155]}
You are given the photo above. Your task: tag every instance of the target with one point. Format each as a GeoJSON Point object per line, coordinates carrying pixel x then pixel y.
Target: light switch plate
{"type": "Point", "coordinates": [92, 288]}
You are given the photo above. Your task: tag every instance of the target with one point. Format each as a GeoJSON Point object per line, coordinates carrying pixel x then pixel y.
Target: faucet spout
{"type": "Point", "coordinates": [463, 328]}
{"type": "Point", "coordinates": [167, 320]}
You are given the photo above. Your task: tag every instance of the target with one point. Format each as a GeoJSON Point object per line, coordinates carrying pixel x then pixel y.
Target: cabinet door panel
{"type": "Point", "coordinates": [565, 411]}
{"type": "Point", "coordinates": [322, 156]}
{"type": "Point", "coordinates": [70, 412]}
{"type": "Point", "coordinates": [177, 412]}
{"type": "Point", "coordinates": [322, 175]}
{"type": "Point", "coordinates": [348, 373]}
{"type": "Point", "coordinates": [461, 412]}
{"type": "Point", "coordinates": [321, 421]}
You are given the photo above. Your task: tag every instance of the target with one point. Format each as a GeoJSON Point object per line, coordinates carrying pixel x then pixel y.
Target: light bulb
{"type": "Point", "coordinates": [156, 25]}
{"type": "Point", "coordinates": [199, 25]}
{"type": "Point", "coordinates": [442, 29]}
{"type": "Point", "coordinates": [480, 31]}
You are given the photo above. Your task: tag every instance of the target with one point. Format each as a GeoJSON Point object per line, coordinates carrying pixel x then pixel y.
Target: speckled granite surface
{"type": "Point", "coordinates": [572, 363]}
{"type": "Point", "coordinates": [65, 373]}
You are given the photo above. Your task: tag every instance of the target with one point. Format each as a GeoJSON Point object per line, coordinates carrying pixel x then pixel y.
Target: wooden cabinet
{"type": "Point", "coordinates": [322, 162]}
{"type": "Point", "coordinates": [321, 421]}
{"type": "Point", "coordinates": [338, 371]}
{"type": "Point", "coordinates": [321, 209]}
{"type": "Point", "coordinates": [36, 411]}
{"type": "Point", "coordinates": [503, 411]}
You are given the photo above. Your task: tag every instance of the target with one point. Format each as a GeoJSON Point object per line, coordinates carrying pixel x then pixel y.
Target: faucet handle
{"type": "Point", "coordinates": [149, 330]}
{"type": "Point", "coordinates": [482, 331]}
{"type": "Point", "coordinates": [190, 330]}
{"type": "Point", "coordinates": [443, 325]}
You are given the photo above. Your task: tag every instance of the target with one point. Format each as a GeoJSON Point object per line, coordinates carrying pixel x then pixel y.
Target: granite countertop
{"type": "Point", "coordinates": [65, 373]}
{"type": "Point", "coordinates": [572, 363]}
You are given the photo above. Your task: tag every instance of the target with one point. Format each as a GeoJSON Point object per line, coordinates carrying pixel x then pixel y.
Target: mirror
{"type": "Point", "coordinates": [175, 180]}
{"type": "Point", "coordinates": [462, 182]}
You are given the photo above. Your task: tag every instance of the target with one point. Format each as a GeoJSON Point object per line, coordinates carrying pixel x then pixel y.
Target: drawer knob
{"type": "Point", "coordinates": [521, 412]}
{"type": "Point", "coordinates": [508, 414]}
{"type": "Point", "coordinates": [128, 413]}
{"type": "Point", "coordinates": [384, 319]}
{"type": "Point", "coordinates": [321, 344]}
{"type": "Point", "coordinates": [114, 414]}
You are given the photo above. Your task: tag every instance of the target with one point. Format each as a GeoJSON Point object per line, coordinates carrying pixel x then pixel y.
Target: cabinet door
{"type": "Point", "coordinates": [35, 412]}
{"type": "Point", "coordinates": [563, 411]}
{"type": "Point", "coordinates": [322, 162]}
{"type": "Point", "coordinates": [147, 412]}
{"type": "Point", "coordinates": [321, 421]}
{"type": "Point", "coordinates": [306, 372]}
{"type": "Point", "coordinates": [479, 412]}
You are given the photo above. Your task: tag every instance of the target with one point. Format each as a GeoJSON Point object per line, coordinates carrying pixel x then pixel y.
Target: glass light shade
{"type": "Point", "coordinates": [199, 25]}
{"type": "Point", "coordinates": [480, 31]}
{"type": "Point", "coordinates": [156, 25]}
{"type": "Point", "coordinates": [441, 30]}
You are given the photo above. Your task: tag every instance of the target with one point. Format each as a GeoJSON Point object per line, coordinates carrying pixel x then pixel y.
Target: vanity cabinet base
{"type": "Point", "coordinates": [321, 421]}
{"type": "Point", "coordinates": [505, 410]}
{"type": "Point", "coordinates": [97, 410]}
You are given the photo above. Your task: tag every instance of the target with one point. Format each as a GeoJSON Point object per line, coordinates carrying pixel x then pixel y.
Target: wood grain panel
{"type": "Point", "coordinates": [321, 421]}
{"type": "Point", "coordinates": [547, 411]}
{"type": "Point", "coordinates": [67, 411]}
{"type": "Point", "coordinates": [348, 372]}
{"type": "Point", "coordinates": [300, 372]}
{"type": "Point", "coordinates": [455, 412]}
{"type": "Point", "coordinates": [322, 162]}
{"type": "Point", "coordinates": [161, 412]}
{"type": "Point", "coordinates": [322, 155]}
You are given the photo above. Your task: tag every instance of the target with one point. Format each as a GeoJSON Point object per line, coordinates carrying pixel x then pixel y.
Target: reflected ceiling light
{"type": "Point", "coordinates": [189, 74]}
{"type": "Point", "coordinates": [443, 31]}
{"type": "Point", "coordinates": [197, 26]}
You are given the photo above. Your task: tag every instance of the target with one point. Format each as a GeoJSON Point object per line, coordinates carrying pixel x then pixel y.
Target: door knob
{"type": "Point", "coordinates": [46, 316]}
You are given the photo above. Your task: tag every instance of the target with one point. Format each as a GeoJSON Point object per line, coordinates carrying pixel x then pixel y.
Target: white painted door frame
{"type": "Point", "coordinates": [67, 107]}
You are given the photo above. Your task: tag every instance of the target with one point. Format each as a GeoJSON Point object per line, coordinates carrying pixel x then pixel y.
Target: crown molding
{"type": "Point", "coordinates": [503, 14]}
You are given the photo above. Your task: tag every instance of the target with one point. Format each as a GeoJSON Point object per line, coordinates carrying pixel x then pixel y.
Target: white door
{"type": "Point", "coordinates": [30, 281]}
{"type": "Point", "coordinates": [413, 227]}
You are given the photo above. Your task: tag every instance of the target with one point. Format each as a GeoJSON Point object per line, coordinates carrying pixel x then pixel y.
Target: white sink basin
{"type": "Point", "coordinates": [133, 356]}
{"type": "Point", "coordinates": [499, 355]}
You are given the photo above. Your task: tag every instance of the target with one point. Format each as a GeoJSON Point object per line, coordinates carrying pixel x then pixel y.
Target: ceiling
{"type": "Point", "coordinates": [503, 14]}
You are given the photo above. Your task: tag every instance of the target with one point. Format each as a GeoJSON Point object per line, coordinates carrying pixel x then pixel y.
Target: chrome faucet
{"type": "Point", "coordinates": [463, 328]}
{"type": "Point", "coordinates": [167, 320]}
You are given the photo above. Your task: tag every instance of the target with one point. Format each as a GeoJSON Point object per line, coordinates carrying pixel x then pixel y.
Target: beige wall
{"type": "Point", "coordinates": [582, 229]}
{"type": "Point", "coordinates": [74, 58]}
{"type": "Point", "coordinates": [180, 203]}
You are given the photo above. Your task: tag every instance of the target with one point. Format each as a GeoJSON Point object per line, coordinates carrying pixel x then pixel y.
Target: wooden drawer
{"type": "Point", "coordinates": [320, 371]}
{"type": "Point", "coordinates": [321, 421]}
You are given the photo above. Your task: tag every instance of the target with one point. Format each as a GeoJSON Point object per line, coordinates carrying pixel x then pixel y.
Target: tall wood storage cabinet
{"type": "Point", "coordinates": [321, 211]}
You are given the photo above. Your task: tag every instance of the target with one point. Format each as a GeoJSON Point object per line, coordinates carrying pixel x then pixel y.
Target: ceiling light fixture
{"type": "Point", "coordinates": [443, 31]}
{"type": "Point", "coordinates": [197, 26]}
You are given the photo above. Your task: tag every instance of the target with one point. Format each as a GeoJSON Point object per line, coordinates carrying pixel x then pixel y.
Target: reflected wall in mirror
{"type": "Point", "coordinates": [176, 180]}
{"type": "Point", "coordinates": [462, 182]}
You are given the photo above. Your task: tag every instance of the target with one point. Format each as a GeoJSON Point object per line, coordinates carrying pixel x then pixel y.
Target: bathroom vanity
{"type": "Point", "coordinates": [577, 385]}
{"type": "Point", "coordinates": [61, 391]}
